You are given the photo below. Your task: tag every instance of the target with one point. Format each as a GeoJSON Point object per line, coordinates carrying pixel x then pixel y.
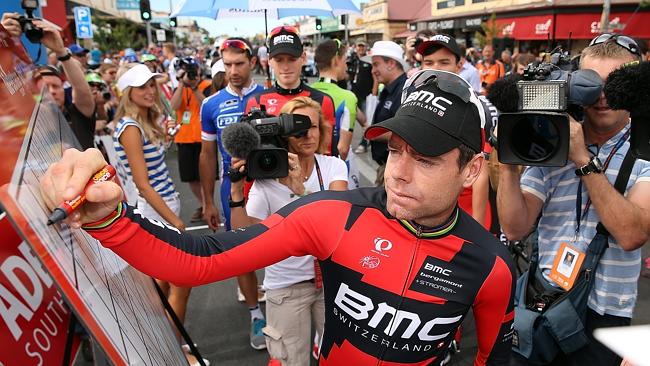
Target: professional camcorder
{"type": "Point", "coordinates": [33, 33]}
{"type": "Point", "coordinates": [189, 65]}
{"type": "Point", "coordinates": [536, 132]}
{"type": "Point", "coordinates": [266, 151]}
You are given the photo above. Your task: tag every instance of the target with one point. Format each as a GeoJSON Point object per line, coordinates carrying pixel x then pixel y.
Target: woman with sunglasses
{"type": "Point", "coordinates": [293, 290]}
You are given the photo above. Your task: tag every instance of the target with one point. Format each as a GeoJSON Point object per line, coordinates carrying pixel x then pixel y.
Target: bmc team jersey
{"type": "Point", "coordinates": [395, 292]}
{"type": "Point", "coordinates": [274, 101]}
{"type": "Point", "coordinates": [218, 111]}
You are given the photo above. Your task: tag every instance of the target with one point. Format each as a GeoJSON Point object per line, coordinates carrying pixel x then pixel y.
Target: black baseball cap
{"type": "Point", "coordinates": [439, 112]}
{"type": "Point", "coordinates": [285, 40]}
{"type": "Point", "coordinates": [443, 40]}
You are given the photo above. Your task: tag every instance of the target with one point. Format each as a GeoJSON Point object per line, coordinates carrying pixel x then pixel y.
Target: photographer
{"type": "Point", "coordinates": [294, 295]}
{"type": "Point", "coordinates": [80, 113]}
{"type": "Point", "coordinates": [186, 101]}
{"type": "Point", "coordinates": [571, 200]}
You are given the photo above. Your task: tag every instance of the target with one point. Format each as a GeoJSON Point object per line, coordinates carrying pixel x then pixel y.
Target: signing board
{"type": "Point", "coordinates": [117, 304]}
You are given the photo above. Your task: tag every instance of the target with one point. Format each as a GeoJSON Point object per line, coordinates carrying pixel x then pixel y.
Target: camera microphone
{"type": "Point", "coordinates": [239, 139]}
{"type": "Point", "coordinates": [627, 88]}
{"type": "Point", "coordinates": [503, 93]}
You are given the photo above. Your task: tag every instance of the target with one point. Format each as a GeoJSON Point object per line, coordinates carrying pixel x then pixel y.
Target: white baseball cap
{"type": "Point", "coordinates": [136, 76]}
{"type": "Point", "coordinates": [387, 49]}
{"type": "Point", "coordinates": [217, 67]}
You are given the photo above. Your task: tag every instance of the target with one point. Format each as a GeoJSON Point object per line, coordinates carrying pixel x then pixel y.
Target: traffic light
{"type": "Point", "coordinates": [344, 19]}
{"type": "Point", "coordinates": [173, 22]}
{"type": "Point", "coordinates": [319, 24]}
{"type": "Point", "coordinates": [145, 10]}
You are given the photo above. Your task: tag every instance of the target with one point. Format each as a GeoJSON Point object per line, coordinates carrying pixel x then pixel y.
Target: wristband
{"type": "Point", "coordinates": [65, 57]}
{"type": "Point", "coordinates": [106, 221]}
{"type": "Point", "coordinates": [233, 204]}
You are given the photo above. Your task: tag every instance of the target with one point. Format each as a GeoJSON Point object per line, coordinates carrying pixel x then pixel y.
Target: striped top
{"type": "Point", "coordinates": [615, 288]}
{"type": "Point", "coordinates": [154, 157]}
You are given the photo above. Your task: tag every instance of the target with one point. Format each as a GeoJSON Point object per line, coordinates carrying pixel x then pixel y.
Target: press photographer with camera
{"type": "Point", "coordinates": [570, 201]}
{"type": "Point", "coordinates": [186, 101]}
{"type": "Point", "coordinates": [80, 113]}
{"type": "Point", "coordinates": [294, 292]}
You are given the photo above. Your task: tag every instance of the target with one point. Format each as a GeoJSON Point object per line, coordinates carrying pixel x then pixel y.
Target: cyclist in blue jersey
{"type": "Point", "coordinates": [218, 111]}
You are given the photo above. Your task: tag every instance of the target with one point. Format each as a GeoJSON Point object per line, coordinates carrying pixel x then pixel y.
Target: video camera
{"type": "Point", "coordinates": [538, 132]}
{"type": "Point", "coordinates": [33, 33]}
{"type": "Point", "coordinates": [189, 65]}
{"type": "Point", "coordinates": [271, 159]}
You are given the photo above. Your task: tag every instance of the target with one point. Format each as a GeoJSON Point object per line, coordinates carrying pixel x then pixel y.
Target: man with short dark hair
{"type": "Point", "coordinates": [401, 264]}
{"type": "Point", "coordinates": [388, 66]}
{"type": "Point", "coordinates": [217, 112]}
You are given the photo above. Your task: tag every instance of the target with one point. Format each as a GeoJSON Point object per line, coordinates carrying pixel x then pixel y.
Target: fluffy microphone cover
{"type": "Point", "coordinates": [629, 88]}
{"type": "Point", "coordinates": [239, 139]}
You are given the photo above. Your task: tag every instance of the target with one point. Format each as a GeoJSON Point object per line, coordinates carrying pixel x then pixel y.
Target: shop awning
{"type": "Point", "coordinates": [538, 27]}
{"type": "Point", "coordinates": [587, 26]}
{"type": "Point", "coordinates": [405, 34]}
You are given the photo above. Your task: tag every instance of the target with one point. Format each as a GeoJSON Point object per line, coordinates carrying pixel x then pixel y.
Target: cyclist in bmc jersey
{"type": "Point", "coordinates": [401, 265]}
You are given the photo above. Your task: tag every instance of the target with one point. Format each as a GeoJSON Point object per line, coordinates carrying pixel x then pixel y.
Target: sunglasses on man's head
{"type": "Point", "coordinates": [235, 43]}
{"type": "Point", "coordinates": [287, 28]}
{"type": "Point", "coordinates": [339, 46]}
{"type": "Point", "coordinates": [621, 40]}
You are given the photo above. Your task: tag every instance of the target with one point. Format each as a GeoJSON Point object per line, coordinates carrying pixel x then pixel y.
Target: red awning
{"type": "Point", "coordinates": [405, 34]}
{"type": "Point", "coordinates": [587, 26]}
{"type": "Point", "coordinates": [527, 28]}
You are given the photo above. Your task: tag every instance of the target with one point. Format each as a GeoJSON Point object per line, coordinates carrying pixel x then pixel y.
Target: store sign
{"type": "Point", "coordinates": [543, 28]}
{"type": "Point", "coordinates": [527, 28]}
{"type": "Point", "coordinates": [375, 12]}
{"type": "Point", "coordinates": [442, 24]}
{"type": "Point", "coordinates": [471, 23]}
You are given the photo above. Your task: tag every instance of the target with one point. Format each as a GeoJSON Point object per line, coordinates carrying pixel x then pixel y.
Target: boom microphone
{"type": "Point", "coordinates": [627, 88]}
{"type": "Point", "coordinates": [239, 139]}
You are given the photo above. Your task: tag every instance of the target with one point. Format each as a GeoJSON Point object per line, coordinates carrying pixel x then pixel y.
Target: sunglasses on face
{"type": "Point", "coordinates": [621, 40]}
{"type": "Point", "coordinates": [235, 43]}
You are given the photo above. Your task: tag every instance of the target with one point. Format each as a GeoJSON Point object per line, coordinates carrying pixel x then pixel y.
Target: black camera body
{"type": "Point", "coordinates": [271, 159]}
{"type": "Point", "coordinates": [189, 65]}
{"type": "Point", "coordinates": [538, 132]}
{"type": "Point", "coordinates": [33, 33]}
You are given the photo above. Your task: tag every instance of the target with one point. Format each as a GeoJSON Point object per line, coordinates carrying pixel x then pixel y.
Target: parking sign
{"type": "Point", "coordinates": [83, 22]}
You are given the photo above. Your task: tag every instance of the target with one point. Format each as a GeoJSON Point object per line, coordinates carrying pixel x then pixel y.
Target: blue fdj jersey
{"type": "Point", "coordinates": [218, 111]}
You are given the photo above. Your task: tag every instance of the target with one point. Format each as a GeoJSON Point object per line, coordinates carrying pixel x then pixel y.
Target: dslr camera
{"type": "Point", "coordinates": [32, 32]}
{"type": "Point", "coordinates": [189, 66]}
{"type": "Point", "coordinates": [538, 132]}
{"type": "Point", "coordinates": [271, 159]}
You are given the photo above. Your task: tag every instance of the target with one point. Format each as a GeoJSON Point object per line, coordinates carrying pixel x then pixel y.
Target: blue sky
{"type": "Point", "coordinates": [232, 27]}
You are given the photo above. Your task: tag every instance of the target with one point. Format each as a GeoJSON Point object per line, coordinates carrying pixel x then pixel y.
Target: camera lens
{"type": "Point", "coordinates": [268, 162]}
{"type": "Point", "coordinates": [536, 138]}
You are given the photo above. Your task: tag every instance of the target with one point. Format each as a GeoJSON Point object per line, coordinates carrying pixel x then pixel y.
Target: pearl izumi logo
{"type": "Point", "coordinates": [283, 38]}
{"type": "Point", "coordinates": [429, 101]}
{"type": "Point", "coordinates": [382, 244]}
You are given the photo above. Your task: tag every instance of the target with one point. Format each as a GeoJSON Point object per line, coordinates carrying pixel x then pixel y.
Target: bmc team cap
{"type": "Point", "coordinates": [443, 40]}
{"type": "Point", "coordinates": [439, 111]}
{"type": "Point", "coordinates": [285, 40]}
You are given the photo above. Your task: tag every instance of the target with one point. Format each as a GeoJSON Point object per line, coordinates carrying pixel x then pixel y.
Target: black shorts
{"type": "Point", "coordinates": [188, 161]}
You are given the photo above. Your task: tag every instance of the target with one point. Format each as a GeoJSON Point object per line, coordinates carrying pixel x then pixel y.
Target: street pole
{"type": "Point", "coordinates": [347, 31]}
{"type": "Point", "coordinates": [604, 19]}
{"type": "Point", "coordinates": [148, 33]}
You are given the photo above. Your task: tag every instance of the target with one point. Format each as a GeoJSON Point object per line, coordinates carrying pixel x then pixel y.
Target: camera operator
{"type": "Point", "coordinates": [186, 101]}
{"type": "Point", "coordinates": [571, 201]}
{"type": "Point", "coordinates": [80, 112]}
{"type": "Point", "coordinates": [294, 293]}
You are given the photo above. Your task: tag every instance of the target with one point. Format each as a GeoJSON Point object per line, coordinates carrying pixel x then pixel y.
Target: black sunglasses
{"type": "Point", "coordinates": [621, 40]}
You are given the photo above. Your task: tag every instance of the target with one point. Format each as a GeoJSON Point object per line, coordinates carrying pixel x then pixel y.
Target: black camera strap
{"type": "Point", "coordinates": [320, 176]}
{"type": "Point", "coordinates": [582, 214]}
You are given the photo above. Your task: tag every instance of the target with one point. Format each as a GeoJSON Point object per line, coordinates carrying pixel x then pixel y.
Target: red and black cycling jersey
{"type": "Point", "coordinates": [395, 293]}
{"type": "Point", "coordinates": [274, 101]}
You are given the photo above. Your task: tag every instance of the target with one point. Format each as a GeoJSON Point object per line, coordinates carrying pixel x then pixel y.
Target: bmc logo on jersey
{"type": "Point", "coordinates": [227, 119]}
{"type": "Point", "coordinates": [437, 269]}
{"type": "Point", "coordinates": [361, 307]}
{"type": "Point", "coordinates": [429, 98]}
